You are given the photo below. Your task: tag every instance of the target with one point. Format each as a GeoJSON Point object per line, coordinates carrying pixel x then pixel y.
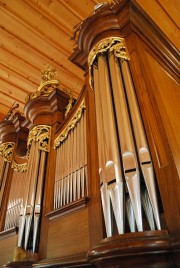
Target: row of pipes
{"type": "Point", "coordinates": [71, 166]}
{"type": "Point", "coordinates": [124, 157]}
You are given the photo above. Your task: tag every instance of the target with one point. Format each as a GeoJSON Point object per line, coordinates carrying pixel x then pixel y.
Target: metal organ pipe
{"type": "Point", "coordinates": [111, 182]}
{"type": "Point", "coordinates": [141, 142]}
{"type": "Point", "coordinates": [31, 208]}
{"type": "Point", "coordinates": [4, 172]}
{"type": "Point", "coordinates": [16, 196]}
{"type": "Point", "coordinates": [122, 145]}
{"type": "Point", "coordinates": [128, 152]}
{"type": "Point", "coordinates": [71, 161]}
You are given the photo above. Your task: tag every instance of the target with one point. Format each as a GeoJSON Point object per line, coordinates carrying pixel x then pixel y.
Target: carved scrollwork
{"type": "Point", "coordinates": [19, 167]}
{"type": "Point", "coordinates": [6, 150]}
{"type": "Point", "coordinates": [72, 124]}
{"type": "Point", "coordinates": [44, 89]}
{"type": "Point", "coordinates": [40, 134]}
{"type": "Point", "coordinates": [114, 45]}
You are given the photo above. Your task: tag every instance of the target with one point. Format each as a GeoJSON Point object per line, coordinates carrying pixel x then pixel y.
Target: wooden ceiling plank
{"type": "Point", "coordinates": [4, 108]}
{"type": "Point", "coordinates": [39, 25]}
{"type": "Point", "coordinates": [6, 100]}
{"type": "Point", "coordinates": [20, 74]}
{"type": "Point", "coordinates": [26, 33]}
{"type": "Point", "coordinates": [24, 52]}
{"type": "Point", "coordinates": [56, 13]}
{"type": "Point", "coordinates": [72, 11]}
{"type": "Point", "coordinates": [17, 81]}
{"type": "Point", "coordinates": [12, 90]}
{"type": "Point", "coordinates": [84, 7]}
{"type": "Point", "coordinates": [8, 58]}
{"type": "Point", "coordinates": [9, 97]}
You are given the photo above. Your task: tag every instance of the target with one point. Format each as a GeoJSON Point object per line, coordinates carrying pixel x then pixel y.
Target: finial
{"type": "Point", "coordinates": [11, 113]}
{"type": "Point", "coordinates": [49, 73]}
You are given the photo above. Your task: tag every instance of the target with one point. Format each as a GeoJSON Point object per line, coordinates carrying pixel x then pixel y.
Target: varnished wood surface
{"type": "Point", "coordinates": [139, 250]}
{"type": "Point", "coordinates": [7, 246]}
{"type": "Point", "coordinates": [69, 234]}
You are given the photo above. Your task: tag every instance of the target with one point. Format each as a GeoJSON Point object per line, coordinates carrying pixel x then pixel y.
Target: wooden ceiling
{"type": "Point", "coordinates": [34, 33]}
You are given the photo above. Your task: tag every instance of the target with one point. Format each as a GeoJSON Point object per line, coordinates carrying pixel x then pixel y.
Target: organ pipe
{"type": "Point", "coordinates": [122, 144]}
{"type": "Point", "coordinates": [71, 161]}
{"type": "Point", "coordinates": [15, 200]}
{"type": "Point", "coordinates": [38, 143]}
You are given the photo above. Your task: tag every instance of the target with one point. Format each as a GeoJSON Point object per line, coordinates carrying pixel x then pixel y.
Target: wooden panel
{"type": "Point", "coordinates": [68, 235]}
{"type": "Point", "coordinates": [7, 247]}
{"type": "Point", "coordinates": [167, 95]}
{"type": "Point", "coordinates": [166, 15]}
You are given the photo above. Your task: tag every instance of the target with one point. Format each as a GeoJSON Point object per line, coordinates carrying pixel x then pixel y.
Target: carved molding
{"type": "Point", "coordinates": [19, 167]}
{"type": "Point", "coordinates": [40, 134]}
{"type": "Point", "coordinates": [6, 150]}
{"type": "Point", "coordinates": [114, 45]}
{"type": "Point", "coordinates": [71, 125]}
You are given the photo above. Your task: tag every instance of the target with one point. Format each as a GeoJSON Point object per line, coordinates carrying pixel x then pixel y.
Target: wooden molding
{"type": "Point", "coordinates": [42, 108]}
{"type": "Point", "coordinates": [79, 261]}
{"type": "Point", "coordinates": [119, 21]}
{"type": "Point", "coordinates": [68, 209]}
{"type": "Point", "coordinates": [8, 233]}
{"type": "Point", "coordinates": [143, 249]}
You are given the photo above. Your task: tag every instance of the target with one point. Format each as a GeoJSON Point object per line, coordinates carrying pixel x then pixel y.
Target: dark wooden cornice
{"type": "Point", "coordinates": [104, 23]}
{"type": "Point", "coordinates": [137, 250]}
{"type": "Point", "coordinates": [120, 20]}
{"type": "Point", "coordinates": [40, 110]}
{"type": "Point", "coordinates": [10, 128]}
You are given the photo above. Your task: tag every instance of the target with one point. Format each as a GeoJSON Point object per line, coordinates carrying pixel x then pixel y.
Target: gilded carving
{"type": "Point", "coordinates": [69, 106]}
{"type": "Point", "coordinates": [114, 45]}
{"type": "Point", "coordinates": [20, 254]}
{"type": "Point", "coordinates": [48, 84]}
{"type": "Point", "coordinates": [6, 150]}
{"type": "Point", "coordinates": [40, 134]}
{"type": "Point", "coordinates": [72, 124]}
{"type": "Point", "coordinates": [19, 167]}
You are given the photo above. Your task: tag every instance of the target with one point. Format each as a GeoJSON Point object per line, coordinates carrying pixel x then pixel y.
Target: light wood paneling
{"type": "Point", "coordinates": [166, 15]}
{"type": "Point", "coordinates": [7, 247]}
{"type": "Point", "coordinates": [167, 94]}
{"type": "Point", "coordinates": [65, 232]}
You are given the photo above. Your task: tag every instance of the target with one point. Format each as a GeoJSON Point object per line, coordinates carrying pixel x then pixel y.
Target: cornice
{"type": "Point", "coordinates": [120, 21]}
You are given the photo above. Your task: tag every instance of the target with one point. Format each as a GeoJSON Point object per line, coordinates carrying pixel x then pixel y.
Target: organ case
{"type": "Point", "coordinates": [106, 191]}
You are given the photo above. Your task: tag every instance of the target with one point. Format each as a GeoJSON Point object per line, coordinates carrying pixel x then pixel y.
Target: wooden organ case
{"type": "Point", "coordinates": [95, 182]}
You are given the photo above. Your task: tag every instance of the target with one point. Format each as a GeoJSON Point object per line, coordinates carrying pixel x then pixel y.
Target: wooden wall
{"type": "Point", "coordinates": [7, 247]}
{"type": "Point", "coordinates": [165, 14]}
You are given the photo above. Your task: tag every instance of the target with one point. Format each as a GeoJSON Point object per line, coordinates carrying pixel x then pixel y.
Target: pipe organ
{"type": "Point", "coordinates": [93, 181]}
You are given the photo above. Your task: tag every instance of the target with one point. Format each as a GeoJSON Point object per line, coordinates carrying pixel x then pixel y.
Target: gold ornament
{"type": "Point", "coordinates": [6, 150]}
{"type": "Point", "coordinates": [71, 125]}
{"type": "Point", "coordinates": [114, 45]}
{"type": "Point", "coordinates": [40, 134]}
